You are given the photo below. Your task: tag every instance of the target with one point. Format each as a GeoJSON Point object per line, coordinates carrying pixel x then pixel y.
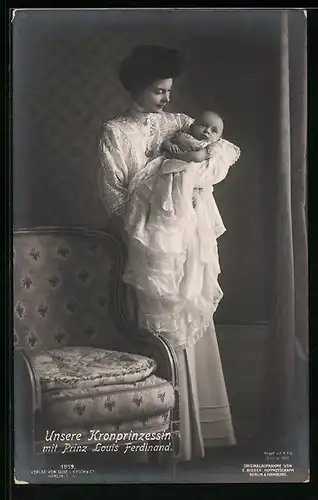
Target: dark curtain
{"type": "Point", "coordinates": [288, 357]}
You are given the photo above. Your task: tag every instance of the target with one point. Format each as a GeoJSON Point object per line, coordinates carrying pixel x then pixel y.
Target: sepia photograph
{"type": "Point", "coordinates": [160, 302]}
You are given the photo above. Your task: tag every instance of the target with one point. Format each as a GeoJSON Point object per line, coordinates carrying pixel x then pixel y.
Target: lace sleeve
{"type": "Point", "coordinates": [185, 122]}
{"type": "Point", "coordinates": [174, 123]}
{"type": "Point", "coordinates": [186, 142]}
{"type": "Point", "coordinates": [229, 152]}
{"type": "Point", "coordinates": [221, 156]}
{"type": "Point", "coordinates": [112, 172]}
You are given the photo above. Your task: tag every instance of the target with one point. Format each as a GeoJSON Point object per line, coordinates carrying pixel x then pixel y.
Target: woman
{"type": "Point", "coordinates": [129, 144]}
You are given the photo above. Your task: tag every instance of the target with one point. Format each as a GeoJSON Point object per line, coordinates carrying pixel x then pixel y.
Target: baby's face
{"type": "Point", "coordinates": [208, 127]}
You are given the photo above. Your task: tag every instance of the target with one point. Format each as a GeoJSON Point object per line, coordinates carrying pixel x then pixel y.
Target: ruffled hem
{"type": "Point", "coordinates": [179, 315]}
{"type": "Point", "coordinates": [178, 338]}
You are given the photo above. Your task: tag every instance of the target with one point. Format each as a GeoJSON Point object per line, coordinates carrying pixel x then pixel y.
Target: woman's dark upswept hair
{"type": "Point", "coordinates": [148, 63]}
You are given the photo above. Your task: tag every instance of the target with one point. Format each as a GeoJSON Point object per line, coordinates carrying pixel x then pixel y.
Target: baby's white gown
{"type": "Point", "coordinates": [205, 412]}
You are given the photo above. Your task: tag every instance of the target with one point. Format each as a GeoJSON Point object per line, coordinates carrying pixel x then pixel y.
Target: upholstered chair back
{"type": "Point", "coordinates": [67, 289]}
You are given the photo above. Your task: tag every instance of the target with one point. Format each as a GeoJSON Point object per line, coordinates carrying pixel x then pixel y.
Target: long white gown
{"type": "Point", "coordinates": [129, 143]}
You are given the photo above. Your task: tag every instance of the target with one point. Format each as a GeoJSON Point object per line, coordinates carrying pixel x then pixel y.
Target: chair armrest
{"type": "Point", "coordinates": [161, 351]}
{"type": "Point", "coordinates": [26, 378]}
{"type": "Point", "coordinates": [27, 406]}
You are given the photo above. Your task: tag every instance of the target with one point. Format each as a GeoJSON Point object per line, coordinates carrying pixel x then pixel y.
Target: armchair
{"type": "Point", "coordinates": [80, 366]}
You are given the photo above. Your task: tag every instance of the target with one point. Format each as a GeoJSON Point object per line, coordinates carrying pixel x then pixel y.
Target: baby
{"type": "Point", "coordinates": [195, 145]}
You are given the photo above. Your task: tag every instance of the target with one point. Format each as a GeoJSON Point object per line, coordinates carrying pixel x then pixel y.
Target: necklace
{"type": "Point", "coordinates": [151, 147]}
{"type": "Point", "coordinates": [149, 121]}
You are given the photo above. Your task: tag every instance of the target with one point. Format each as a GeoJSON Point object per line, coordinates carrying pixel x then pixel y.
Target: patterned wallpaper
{"type": "Point", "coordinates": [65, 86]}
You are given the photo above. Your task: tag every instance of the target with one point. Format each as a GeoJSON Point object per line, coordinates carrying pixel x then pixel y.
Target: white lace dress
{"type": "Point", "coordinates": [130, 151]}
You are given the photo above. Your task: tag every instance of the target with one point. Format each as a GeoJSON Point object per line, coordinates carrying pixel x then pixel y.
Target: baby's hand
{"type": "Point", "coordinates": [174, 149]}
{"type": "Point", "coordinates": [171, 148]}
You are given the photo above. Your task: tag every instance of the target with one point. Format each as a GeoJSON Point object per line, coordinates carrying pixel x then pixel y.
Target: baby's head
{"type": "Point", "coordinates": [207, 127]}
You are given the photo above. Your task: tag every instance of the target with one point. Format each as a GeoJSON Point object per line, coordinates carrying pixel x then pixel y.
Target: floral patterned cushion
{"type": "Point", "coordinates": [112, 404]}
{"type": "Point", "coordinates": [79, 367]}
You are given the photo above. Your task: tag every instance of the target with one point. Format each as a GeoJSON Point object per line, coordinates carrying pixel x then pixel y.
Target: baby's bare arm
{"type": "Point", "coordinates": [196, 156]}
{"type": "Point", "coordinates": [170, 147]}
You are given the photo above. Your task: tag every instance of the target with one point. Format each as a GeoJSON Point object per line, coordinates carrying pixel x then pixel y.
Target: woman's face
{"type": "Point", "coordinates": [155, 97]}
